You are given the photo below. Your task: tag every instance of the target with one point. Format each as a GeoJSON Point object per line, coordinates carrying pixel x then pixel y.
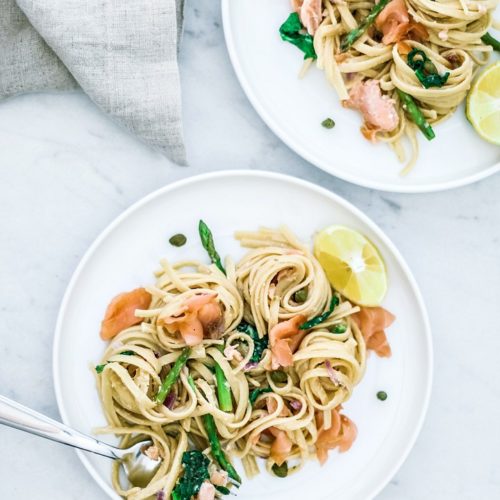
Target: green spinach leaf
{"type": "Point", "coordinates": [425, 70]}
{"type": "Point", "coordinates": [317, 320]}
{"type": "Point", "coordinates": [257, 392]}
{"type": "Point", "coordinates": [292, 31]}
{"type": "Point", "coordinates": [260, 344]}
{"type": "Point", "coordinates": [195, 473]}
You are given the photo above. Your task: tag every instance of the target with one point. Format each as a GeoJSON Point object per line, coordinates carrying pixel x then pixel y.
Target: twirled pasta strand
{"type": "Point", "coordinates": [262, 290]}
{"type": "Point", "coordinates": [455, 28]}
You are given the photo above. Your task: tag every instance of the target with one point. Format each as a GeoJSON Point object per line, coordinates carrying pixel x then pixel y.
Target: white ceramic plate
{"type": "Point", "coordinates": [127, 252]}
{"type": "Point", "coordinates": [294, 109]}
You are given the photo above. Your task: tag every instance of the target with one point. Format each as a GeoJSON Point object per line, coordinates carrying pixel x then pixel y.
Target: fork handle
{"type": "Point", "coordinates": [20, 417]}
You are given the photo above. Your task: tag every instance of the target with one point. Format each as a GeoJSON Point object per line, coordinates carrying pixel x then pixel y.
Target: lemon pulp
{"type": "Point", "coordinates": [352, 264]}
{"type": "Point", "coordinates": [483, 104]}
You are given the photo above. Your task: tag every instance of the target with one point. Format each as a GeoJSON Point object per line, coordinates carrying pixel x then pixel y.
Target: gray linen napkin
{"type": "Point", "coordinates": [122, 53]}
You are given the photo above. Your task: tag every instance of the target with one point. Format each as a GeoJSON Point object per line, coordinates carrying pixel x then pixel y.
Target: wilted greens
{"type": "Point", "coordinates": [425, 70]}
{"type": "Point", "coordinates": [195, 473]}
{"type": "Point", "coordinates": [317, 320]}
{"type": "Point", "coordinates": [260, 344]}
{"type": "Point", "coordinates": [292, 31]}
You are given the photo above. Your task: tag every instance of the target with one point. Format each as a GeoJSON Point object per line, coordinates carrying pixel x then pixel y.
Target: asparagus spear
{"type": "Point", "coordinates": [223, 390]}
{"type": "Point", "coordinates": [191, 382]}
{"type": "Point", "coordinates": [489, 40]}
{"type": "Point", "coordinates": [217, 452]}
{"type": "Point", "coordinates": [356, 33]}
{"type": "Point", "coordinates": [173, 375]}
{"type": "Point", "coordinates": [414, 113]}
{"type": "Point", "coordinates": [207, 240]}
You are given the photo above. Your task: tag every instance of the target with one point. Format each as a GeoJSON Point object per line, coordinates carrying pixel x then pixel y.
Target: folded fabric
{"type": "Point", "coordinates": [122, 53]}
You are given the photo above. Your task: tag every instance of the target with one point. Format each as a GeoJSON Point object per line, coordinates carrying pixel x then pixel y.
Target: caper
{"type": "Point", "coordinates": [177, 240]}
{"type": "Point", "coordinates": [280, 470]}
{"type": "Point", "coordinates": [382, 395]}
{"type": "Point", "coordinates": [328, 123]}
{"type": "Point", "coordinates": [279, 377]}
{"type": "Point", "coordinates": [430, 67]}
{"type": "Point", "coordinates": [300, 296]}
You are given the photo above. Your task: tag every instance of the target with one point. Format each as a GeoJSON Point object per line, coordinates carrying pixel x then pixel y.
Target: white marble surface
{"type": "Point", "coordinates": [66, 171]}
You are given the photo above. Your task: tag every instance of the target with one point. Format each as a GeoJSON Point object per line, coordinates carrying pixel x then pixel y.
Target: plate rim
{"type": "Point", "coordinates": [317, 162]}
{"type": "Point", "coordinates": [179, 184]}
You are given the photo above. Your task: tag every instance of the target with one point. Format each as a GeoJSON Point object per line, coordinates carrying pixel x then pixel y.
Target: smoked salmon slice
{"type": "Point", "coordinates": [379, 111]}
{"type": "Point", "coordinates": [393, 21]}
{"type": "Point", "coordinates": [200, 315]}
{"type": "Point", "coordinates": [372, 321]}
{"type": "Point", "coordinates": [395, 24]}
{"type": "Point", "coordinates": [284, 339]}
{"type": "Point", "coordinates": [207, 491]}
{"type": "Point", "coordinates": [281, 447]}
{"type": "Point", "coordinates": [120, 313]}
{"type": "Point", "coordinates": [309, 12]}
{"type": "Point", "coordinates": [341, 434]}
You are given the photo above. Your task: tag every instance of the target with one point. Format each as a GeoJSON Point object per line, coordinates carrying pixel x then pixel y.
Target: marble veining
{"type": "Point", "coordinates": [66, 171]}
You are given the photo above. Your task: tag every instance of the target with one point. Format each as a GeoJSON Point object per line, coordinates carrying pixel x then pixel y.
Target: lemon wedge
{"type": "Point", "coordinates": [352, 264]}
{"type": "Point", "coordinates": [483, 104]}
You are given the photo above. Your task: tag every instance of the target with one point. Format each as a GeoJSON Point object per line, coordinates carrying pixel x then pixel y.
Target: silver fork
{"type": "Point", "coordinates": [138, 467]}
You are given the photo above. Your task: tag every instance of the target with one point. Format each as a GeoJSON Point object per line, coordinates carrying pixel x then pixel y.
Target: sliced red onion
{"type": "Point", "coordinates": [331, 373]}
{"type": "Point", "coordinates": [170, 400]}
{"type": "Point", "coordinates": [160, 495]}
{"type": "Point", "coordinates": [250, 366]}
{"type": "Point", "coordinates": [295, 404]}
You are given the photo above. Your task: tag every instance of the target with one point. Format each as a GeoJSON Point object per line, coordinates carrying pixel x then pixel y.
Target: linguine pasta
{"type": "Point", "coordinates": [286, 385]}
{"type": "Point", "coordinates": [448, 32]}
